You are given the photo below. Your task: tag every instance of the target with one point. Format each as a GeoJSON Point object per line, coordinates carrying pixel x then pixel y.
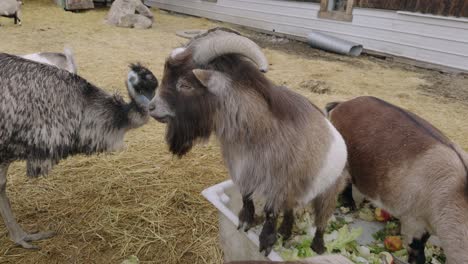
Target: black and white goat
{"type": "Point", "coordinates": [47, 114]}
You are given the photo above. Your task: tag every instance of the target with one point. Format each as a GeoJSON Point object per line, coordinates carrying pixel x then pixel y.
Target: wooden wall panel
{"type": "Point", "coordinates": [457, 8]}
{"type": "Point", "coordinates": [433, 40]}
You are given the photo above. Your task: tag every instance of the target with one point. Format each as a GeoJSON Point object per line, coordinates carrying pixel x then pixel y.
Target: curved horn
{"type": "Point", "coordinates": [217, 44]}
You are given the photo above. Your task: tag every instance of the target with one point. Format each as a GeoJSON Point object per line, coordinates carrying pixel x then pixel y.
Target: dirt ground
{"type": "Point", "coordinates": [144, 202]}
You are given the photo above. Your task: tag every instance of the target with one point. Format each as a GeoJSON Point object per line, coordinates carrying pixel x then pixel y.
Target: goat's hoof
{"type": "Point", "coordinates": [244, 226]}
{"type": "Point", "coordinates": [246, 219]}
{"type": "Point", "coordinates": [318, 247]}
{"type": "Point", "coordinates": [266, 242]}
{"type": "Point", "coordinates": [416, 256]}
{"type": "Point", "coordinates": [267, 251]}
{"type": "Point", "coordinates": [285, 232]}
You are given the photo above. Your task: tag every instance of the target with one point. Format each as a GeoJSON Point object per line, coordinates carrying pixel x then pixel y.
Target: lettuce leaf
{"type": "Point", "coordinates": [345, 238]}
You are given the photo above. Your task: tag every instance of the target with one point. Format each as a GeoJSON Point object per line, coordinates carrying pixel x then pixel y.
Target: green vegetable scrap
{"type": "Point", "coordinates": [367, 214]}
{"type": "Point", "coordinates": [299, 248]}
{"type": "Point", "coordinates": [339, 238]}
{"type": "Point", "coordinates": [335, 225]}
{"type": "Point", "coordinates": [392, 228]}
{"type": "Point", "coordinates": [345, 238]}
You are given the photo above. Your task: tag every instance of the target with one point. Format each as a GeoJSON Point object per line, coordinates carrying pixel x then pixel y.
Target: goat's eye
{"type": "Point", "coordinates": [185, 87]}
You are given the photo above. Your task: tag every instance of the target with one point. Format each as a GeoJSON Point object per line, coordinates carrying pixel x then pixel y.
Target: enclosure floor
{"type": "Point", "coordinates": [144, 202]}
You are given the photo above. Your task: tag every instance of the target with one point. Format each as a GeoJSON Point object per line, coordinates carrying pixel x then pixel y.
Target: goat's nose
{"type": "Point", "coordinates": [152, 107]}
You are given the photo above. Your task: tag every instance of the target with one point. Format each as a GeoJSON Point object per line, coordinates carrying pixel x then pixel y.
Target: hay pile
{"type": "Point", "coordinates": [142, 201]}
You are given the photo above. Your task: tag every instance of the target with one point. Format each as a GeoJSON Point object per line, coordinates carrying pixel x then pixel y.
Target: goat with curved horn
{"type": "Point", "coordinates": [220, 41]}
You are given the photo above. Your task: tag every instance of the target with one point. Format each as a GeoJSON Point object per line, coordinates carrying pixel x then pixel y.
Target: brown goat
{"type": "Point", "coordinates": [404, 164]}
{"type": "Point", "coordinates": [274, 142]}
{"type": "Point", "coordinates": [327, 259]}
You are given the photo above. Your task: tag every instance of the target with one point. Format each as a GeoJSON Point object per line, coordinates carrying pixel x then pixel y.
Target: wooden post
{"type": "Point", "coordinates": [323, 5]}
{"type": "Point", "coordinates": [349, 7]}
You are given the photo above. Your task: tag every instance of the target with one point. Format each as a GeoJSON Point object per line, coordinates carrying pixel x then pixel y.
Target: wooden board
{"type": "Point", "coordinates": [457, 8]}
{"type": "Point", "coordinates": [434, 39]}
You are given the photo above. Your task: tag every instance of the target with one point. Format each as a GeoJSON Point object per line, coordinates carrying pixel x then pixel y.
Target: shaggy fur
{"type": "Point", "coordinates": [78, 118]}
{"type": "Point", "coordinates": [274, 142]}
{"type": "Point", "coordinates": [407, 166]}
{"type": "Point", "coordinates": [48, 114]}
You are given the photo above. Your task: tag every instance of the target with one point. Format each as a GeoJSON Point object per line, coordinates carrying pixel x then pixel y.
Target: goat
{"type": "Point", "coordinates": [328, 259]}
{"type": "Point", "coordinates": [275, 142]}
{"type": "Point", "coordinates": [11, 9]}
{"type": "Point", "coordinates": [47, 114]}
{"type": "Point", "coordinates": [63, 60]}
{"type": "Point", "coordinates": [408, 167]}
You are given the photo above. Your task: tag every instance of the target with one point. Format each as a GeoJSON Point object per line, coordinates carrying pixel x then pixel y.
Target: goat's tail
{"type": "Point", "coordinates": [70, 59]}
{"type": "Point", "coordinates": [330, 106]}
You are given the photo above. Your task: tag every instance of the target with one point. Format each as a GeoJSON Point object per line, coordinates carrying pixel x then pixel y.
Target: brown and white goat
{"type": "Point", "coordinates": [407, 166]}
{"type": "Point", "coordinates": [275, 142]}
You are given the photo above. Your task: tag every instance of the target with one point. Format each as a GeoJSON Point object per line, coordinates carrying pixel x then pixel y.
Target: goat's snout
{"type": "Point", "coordinates": [160, 110]}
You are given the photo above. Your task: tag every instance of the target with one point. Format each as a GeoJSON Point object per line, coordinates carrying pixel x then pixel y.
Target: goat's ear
{"type": "Point", "coordinates": [203, 76]}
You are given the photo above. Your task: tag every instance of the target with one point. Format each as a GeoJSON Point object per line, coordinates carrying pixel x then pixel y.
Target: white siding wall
{"type": "Point", "coordinates": [433, 39]}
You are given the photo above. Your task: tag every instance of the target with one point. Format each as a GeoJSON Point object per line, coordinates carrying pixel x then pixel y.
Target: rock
{"type": "Point", "coordinates": [130, 14]}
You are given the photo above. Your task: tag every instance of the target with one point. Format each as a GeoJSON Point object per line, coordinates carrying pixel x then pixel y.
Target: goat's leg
{"type": "Point", "coordinates": [247, 213]}
{"type": "Point", "coordinates": [324, 206]}
{"type": "Point", "coordinates": [268, 234]}
{"type": "Point", "coordinates": [15, 231]}
{"type": "Point", "coordinates": [347, 197]}
{"type": "Point", "coordinates": [285, 229]}
{"type": "Point", "coordinates": [415, 237]}
{"type": "Point", "coordinates": [416, 249]}
{"type": "Point", "coordinates": [18, 16]}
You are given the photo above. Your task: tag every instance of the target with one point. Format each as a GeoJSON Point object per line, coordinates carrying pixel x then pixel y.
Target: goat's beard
{"type": "Point", "coordinates": [182, 134]}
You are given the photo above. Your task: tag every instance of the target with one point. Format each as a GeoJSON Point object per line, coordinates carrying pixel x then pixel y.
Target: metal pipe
{"type": "Point", "coordinates": [333, 44]}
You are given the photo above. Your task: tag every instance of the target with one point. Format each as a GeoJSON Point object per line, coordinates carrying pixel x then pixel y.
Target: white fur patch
{"type": "Point", "coordinates": [38, 58]}
{"type": "Point", "coordinates": [132, 78]}
{"type": "Point", "coordinates": [412, 228]}
{"type": "Point", "coordinates": [335, 162]}
{"type": "Point", "coordinates": [176, 52]}
{"type": "Point", "coordinates": [238, 164]}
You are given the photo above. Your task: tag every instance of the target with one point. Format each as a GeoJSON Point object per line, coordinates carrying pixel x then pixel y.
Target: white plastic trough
{"type": "Point", "coordinates": [239, 245]}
